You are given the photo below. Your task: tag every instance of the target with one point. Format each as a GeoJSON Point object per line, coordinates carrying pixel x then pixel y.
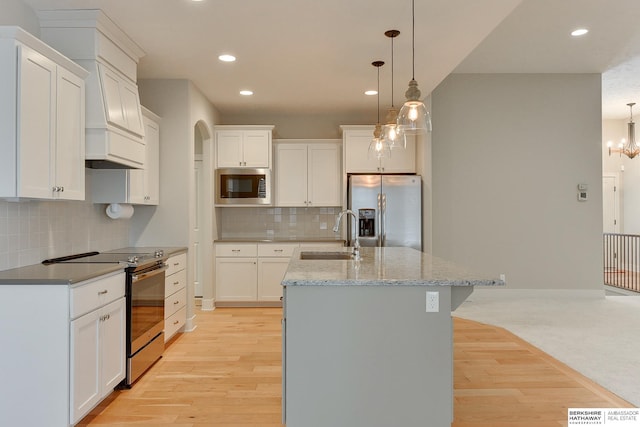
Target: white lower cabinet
{"type": "Point", "coordinates": [97, 358]}
{"type": "Point", "coordinates": [236, 279]}
{"type": "Point", "coordinates": [67, 349]}
{"type": "Point", "coordinates": [175, 292]}
{"type": "Point", "coordinates": [253, 272]}
{"type": "Point", "coordinates": [98, 342]}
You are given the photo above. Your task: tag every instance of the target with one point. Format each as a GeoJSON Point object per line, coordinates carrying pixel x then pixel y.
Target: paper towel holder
{"type": "Point", "coordinates": [119, 211]}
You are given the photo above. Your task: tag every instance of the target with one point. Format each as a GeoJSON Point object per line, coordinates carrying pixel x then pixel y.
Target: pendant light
{"type": "Point", "coordinates": [378, 147]}
{"type": "Point", "coordinates": [414, 117]}
{"type": "Point", "coordinates": [390, 131]}
{"type": "Point", "coordinates": [629, 147]}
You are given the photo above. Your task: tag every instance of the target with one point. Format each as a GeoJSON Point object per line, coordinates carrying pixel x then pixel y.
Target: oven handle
{"type": "Point", "coordinates": [147, 274]}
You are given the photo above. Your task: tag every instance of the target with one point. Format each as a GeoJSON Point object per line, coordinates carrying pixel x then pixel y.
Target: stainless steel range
{"type": "Point", "coordinates": [145, 302]}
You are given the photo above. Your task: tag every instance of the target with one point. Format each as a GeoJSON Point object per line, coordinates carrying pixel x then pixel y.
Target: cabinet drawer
{"type": "Point", "coordinates": [176, 263]}
{"type": "Point", "coordinates": [239, 250]}
{"type": "Point", "coordinates": [175, 282]}
{"type": "Point", "coordinates": [175, 302]}
{"type": "Point", "coordinates": [173, 323]}
{"type": "Point", "coordinates": [276, 249]}
{"type": "Point", "coordinates": [89, 296]}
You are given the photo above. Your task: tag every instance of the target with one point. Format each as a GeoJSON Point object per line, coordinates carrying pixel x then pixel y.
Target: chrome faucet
{"type": "Point", "coordinates": [336, 228]}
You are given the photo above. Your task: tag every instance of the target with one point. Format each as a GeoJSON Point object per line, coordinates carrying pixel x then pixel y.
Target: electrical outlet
{"type": "Point", "coordinates": [433, 302]}
{"type": "Point", "coordinates": [503, 277]}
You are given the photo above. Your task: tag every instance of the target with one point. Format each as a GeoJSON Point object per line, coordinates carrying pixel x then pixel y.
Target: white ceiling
{"type": "Point", "coordinates": [310, 56]}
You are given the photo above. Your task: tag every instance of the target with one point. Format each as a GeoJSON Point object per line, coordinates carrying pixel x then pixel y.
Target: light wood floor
{"type": "Point", "coordinates": [227, 373]}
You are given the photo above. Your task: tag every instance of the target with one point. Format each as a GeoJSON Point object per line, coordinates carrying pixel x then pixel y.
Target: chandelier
{"type": "Point", "coordinates": [628, 147]}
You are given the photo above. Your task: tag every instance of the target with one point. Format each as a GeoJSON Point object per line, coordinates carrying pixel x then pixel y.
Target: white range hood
{"type": "Point", "coordinates": [114, 129]}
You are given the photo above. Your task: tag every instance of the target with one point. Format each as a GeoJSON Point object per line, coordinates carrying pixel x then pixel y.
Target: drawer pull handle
{"type": "Point", "coordinates": [103, 292]}
{"type": "Point", "coordinates": [235, 250]}
{"type": "Point", "coordinates": [176, 322]}
{"type": "Point", "coordinates": [176, 283]}
{"type": "Point", "coordinates": [176, 302]}
{"type": "Point", "coordinates": [278, 250]}
{"type": "Point", "coordinates": [175, 264]}
{"type": "Point", "coordinates": [105, 317]}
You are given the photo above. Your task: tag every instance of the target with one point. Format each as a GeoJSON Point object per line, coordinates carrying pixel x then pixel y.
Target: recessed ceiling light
{"type": "Point", "coordinates": [246, 92]}
{"type": "Point", "coordinates": [579, 32]}
{"type": "Point", "coordinates": [227, 58]}
{"type": "Point", "coordinates": [371, 92]}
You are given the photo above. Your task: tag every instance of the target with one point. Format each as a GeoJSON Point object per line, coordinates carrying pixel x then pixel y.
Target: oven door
{"type": "Point", "coordinates": [146, 307]}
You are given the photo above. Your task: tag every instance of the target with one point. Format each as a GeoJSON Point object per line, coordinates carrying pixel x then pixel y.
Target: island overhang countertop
{"type": "Point", "coordinates": [386, 266]}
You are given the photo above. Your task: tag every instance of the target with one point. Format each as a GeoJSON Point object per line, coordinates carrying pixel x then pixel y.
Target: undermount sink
{"type": "Point", "coordinates": [325, 255]}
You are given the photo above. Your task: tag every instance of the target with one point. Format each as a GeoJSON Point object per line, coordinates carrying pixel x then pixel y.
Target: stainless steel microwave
{"type": "Point", "coordinates": [243, 186]}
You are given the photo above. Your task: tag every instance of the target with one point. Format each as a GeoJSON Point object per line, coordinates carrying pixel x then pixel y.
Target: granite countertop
{"type": "Point", "coordinates": [382, 267]}
{"type": "Point", "coordinates": [279, 240]}
{"type": "Point", "coordinates": [69, 274]}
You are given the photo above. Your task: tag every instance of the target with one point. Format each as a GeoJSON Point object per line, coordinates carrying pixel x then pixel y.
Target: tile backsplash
{"type": "Point", "coordinates": [276, 223]}
{"type": "Point", "coordinates": [31, 231]}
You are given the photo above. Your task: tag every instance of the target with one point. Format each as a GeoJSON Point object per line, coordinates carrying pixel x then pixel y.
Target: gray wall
{"type": "Point", "coordinates": [508, 152]}
{"type": "Point", "coordinates": [15, 12]}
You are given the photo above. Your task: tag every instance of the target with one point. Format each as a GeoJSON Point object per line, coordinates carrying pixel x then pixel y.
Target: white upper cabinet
{"type": "Point", "coordinates": [243, 146]}
{"type": "Point", "coordinates": [135, 186]}
{"type": "Point", "coordinates": [42, 118]}
{"type": "Point", "coordinates": [114, 128]}
{"type": "Point", "coordinates": [356, 141]}
{"type": "Point", "coordinates": [308, 174]}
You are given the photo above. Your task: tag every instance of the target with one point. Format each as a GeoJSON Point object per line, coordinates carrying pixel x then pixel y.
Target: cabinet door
{"type": "Point", "coordinates": [69, 145]}
{"type": "Point", "coordinates": [236, 279]}
{"type": "Point", "coordinates": [357, 159]}
{"type": "Point", "coordinates": [36, 123]}
{"type": "Point", "coordinates": [112, 345]}
{"type": "Point", "coordinates": [291, 175]}
{"type": "Point", "coordinates": [256, 148]}
{"type": "Point", "coordinates": [324, 175]}
{"type": "Point", "coordinates": [402, 160]}
{"type": "Point", "coordinates": [229, 148]}
{"type": "Point", "coordinates": [152, 163]}
{"type": "Point", "coordinates": [131, 107]}
{"type": "Point", "coordinates": [112, 97]}
{"type": "Point", "coordinates": [85, 364]}
{"type": "Point", "coordinates": [271, 271]}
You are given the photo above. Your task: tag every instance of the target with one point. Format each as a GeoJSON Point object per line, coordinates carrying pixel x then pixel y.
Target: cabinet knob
{"type": "Point", "coordinates": [61, 189]}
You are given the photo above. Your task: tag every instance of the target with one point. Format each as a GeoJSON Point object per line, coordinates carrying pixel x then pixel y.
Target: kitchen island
{"type": "Point", "coordinates": [368, 342]}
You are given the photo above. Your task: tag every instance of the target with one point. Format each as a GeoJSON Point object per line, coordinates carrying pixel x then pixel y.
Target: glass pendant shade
{"type": "Point", "coordinates": [378, 147]}
{"type": "Point", "coordinates": [391, 134]}
{"type": "Point", "coordinates": [414, 117]}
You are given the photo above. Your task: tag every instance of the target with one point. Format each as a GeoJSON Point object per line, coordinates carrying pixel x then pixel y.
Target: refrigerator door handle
{"type": "Point", "coordinates": [383, 213]}
{"type": "Point", "coordinates": [379, 221]}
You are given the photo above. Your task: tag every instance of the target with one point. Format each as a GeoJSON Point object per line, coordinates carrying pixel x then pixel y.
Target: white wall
{"type": "Point", "coordinates": [290, 125]}
{"type": "Point", "coordinates": [180, 105]}
{"type": "Point", "coordinates": [15, 12]}
{"type": "Point", "coordinates": [508, 152]}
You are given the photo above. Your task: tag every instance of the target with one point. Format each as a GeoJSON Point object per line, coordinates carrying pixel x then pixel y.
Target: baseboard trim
{"type": "Point", "coordinates": [248, 304]}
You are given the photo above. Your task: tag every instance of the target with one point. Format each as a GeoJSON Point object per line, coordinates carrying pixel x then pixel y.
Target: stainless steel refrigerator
{"type": "Point", "coordinates": [389, 209]}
